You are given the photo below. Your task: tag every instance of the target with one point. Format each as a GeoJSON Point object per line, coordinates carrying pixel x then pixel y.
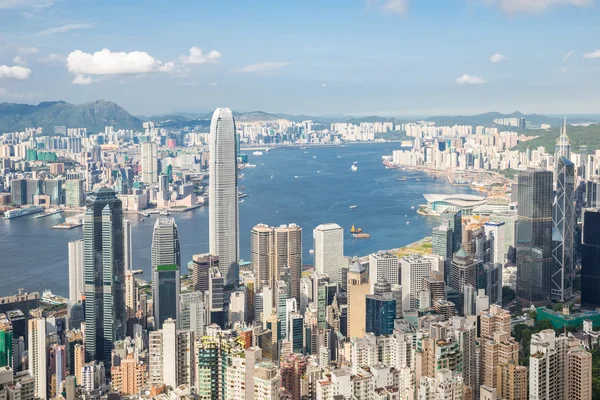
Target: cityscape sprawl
{"type": "Point", "coordinates": [500, 302]}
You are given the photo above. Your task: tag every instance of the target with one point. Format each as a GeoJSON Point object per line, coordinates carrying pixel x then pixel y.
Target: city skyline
{"type": "Point", "coordinates": [280, 66]}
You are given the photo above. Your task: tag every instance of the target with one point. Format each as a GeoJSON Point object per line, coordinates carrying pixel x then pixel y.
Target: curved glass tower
{"type": "Point", "coordinates": [223, 195]}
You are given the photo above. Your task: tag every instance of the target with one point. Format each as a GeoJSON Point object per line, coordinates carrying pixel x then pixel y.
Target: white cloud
{"type": "Point", "coordinates": [106, 62]}
{"type": "Point", "coordinates": [27, 50]}
{"type": "Point", "coordinates": [536, 6]}
{"type": "Point", "coordinates": [470, 79]}
{"type": "Point", "coordinates": [496, 58]}
{"type": "Point", "coordinates": [566, 56]}
{"type": "Point", "coordinates": [82, 80]}
{"type": "Point", "coordinates": [25, 3]}
{"type": "Point", "coordinates": [167, 67]}
{"type": "Point", "coordinates": [214, 84]}
{"type": "Point", "coordinates": [64, 29]}
{"type": "Point", "coordinates": [16, 72]}
{"type": "Point", "coordinates": [198, 57]}
{"type": "Point", "coordinates": [263, 67]}
{"type": "Point", "coordinates": [19, 60]}
{"type": "Point", "coordinates": [593, 54]}
{"type": "Point", "coordinates": [54, 58]}
{"type": "Point", "coordinates": [390, 6]}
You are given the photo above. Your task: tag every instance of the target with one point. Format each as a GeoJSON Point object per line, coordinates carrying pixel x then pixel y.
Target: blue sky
{"type": "Point", "coordinates": [359, 57]}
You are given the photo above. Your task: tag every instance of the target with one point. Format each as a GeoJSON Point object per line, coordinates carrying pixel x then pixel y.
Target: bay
{"type": "Point", "coordinates": [307, 187]}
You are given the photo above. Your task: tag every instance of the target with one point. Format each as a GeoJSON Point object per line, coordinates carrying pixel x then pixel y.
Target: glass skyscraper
{"type": "Point", "coordinates": [590, 258]}
{"type": "Point", "coordinates": [166, 263]}
{"type": "Point", "coordinates": [534, 237]}
{"type": "Point", "coordinates": [380, 309]}
{"type": "Point", "coordinates": [103, 274]}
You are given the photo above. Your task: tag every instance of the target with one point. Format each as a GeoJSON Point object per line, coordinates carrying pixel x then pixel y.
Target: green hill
{"type": "Point", "coordinates": [579, 135]}
{"type": "Point", "coordinates": [94, 116]}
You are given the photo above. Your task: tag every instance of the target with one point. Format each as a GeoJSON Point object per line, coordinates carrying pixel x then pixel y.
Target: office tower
{"type": "Point", "coordinates": [266, 382]}
{"type": "Point", "coordinates": [561, 149]}
{"type": "Point", "coordinates": [70, 388]}
{"type": "Point", "coordinates": [453, 219]}
{"type": "Point", "coordinates": [534, 237]}
{"type": "Point", "coordinates": [489, 278]}
{"type": "Point", "coordinates": [563, 231]}
{"type": "Point", "coordinates": [223, 195]}
{"type": "Point", "coordinates": [201, 265]}
{"type": "Point", "coordinates": [131, 300]}
{"type": "Point", "coordinates": [193, 312]}
{"type": "Point", "coordinates": [358, 288]}
{"type": "Point", "coordinates": [79, 362]}
{"type": "Point", "coordinates": [414, 269]}
{"type": "Point", "coordinates": [463, 272]}
{"type": "Point", "coordinates": [163, 187]}
{"type": "Point", "coordinates": [442, 242]}
{"type": "Point", "coordinates": [380, 309]}
{"type": "Point", "coordinates": [6, 342]}
{"type": "Point", "coordinates": [166, 263]}
{"type": "Point", "coordinates": [511, 381]}
{"type": "Point", "coordinates": [76, 270]}
{"type": "Point", "coordinates": [384, 265]}
{"type": "Point", "coordinates": [53, 189]}
{"type": "Point", "coordinates": [73, 338]}
{"type": "Point", "coordinates": [216, 297]}
{"type": "Point", "coordinates": [592, 193]}
{"type": "Point", "coordinates": [590, 258]}
{"type": "Point", "coordinates": [74, 194]}
{"type": "Point", "coordinates": [104, 274]}
{"type": "Point", "coordinates": [37, 356]}
{"type": "Point", "coordinates": [127, 245]}
{"type": "Point", "coordinates": [579, 374]}
{"type": "Point", "coordinates": [149, 163]}
{"type": "Point", "coordinates": [171, 356]}
{"type": "Point", "coordinates": [57, 368]}
{"type": "Point", "coordinates": [328, 250]}
{"type": "Point", "coordinates": [296, 332]}
{"type": "Point", "coordinates": [129, 377]}
{"type": "Point", "coordinates": [497, 230]}
{"type": "Point", "coordinates": [18, 191]}
{"type": "Point", "coordinates": [273, 249]}
{"type": "Point", "coordinates": [237, 307]}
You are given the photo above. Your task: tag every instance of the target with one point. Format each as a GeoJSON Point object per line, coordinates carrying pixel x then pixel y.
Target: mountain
{"type": "Point", "coordinates": [578, 135]}
{"type": "Point", "coordinates": [488, 119]}
{"type": "Point", "coordinates": [94, 116]}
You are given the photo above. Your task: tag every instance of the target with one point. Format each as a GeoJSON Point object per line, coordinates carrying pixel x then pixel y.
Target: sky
{"type": "Point", "coordinates": [325, 57]}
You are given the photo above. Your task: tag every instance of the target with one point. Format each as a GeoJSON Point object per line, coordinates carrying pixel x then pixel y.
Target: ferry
{"type": "Point", "coordinates": [164, 213]}
{"type": "Point", "coordinates": [354, 167]}
{"type": "Point", "coordinates": [250, 165]}
{"type": "Point", "coordinates": [352, 207]}
{"type": "Point", "coordinates": [257, 153]}
{"type": "Point", "coordinates": [314, 156]}
{"type": "Point", "coordinates": [21, 212]}
{"type": "Point", "coordinates": [403, 178]}
{"type": "Point", "coordinates": [418, 180]}
{"type": "Point", "coordinates": [412, 207]}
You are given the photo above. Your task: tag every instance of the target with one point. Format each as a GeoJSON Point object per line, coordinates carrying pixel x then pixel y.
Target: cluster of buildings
{"type": "Point", "coordinates": [382, 327]}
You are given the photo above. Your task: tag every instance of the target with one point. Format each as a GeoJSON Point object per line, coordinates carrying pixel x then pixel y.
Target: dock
{"type": "Point", "coordinates": [48, 214]}
{"type": "Point", "coordinates": [66, 225]}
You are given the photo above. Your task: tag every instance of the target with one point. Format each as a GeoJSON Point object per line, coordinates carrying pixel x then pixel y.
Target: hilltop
{"type": "Point", "coordinates": [579, 136]}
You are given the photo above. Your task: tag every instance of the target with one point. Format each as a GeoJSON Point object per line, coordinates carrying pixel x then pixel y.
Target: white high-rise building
{"type": "Point", "coordinates": [384, 265]}
{"type": "Point", "coordinates": [497, 229]}
{"type": "Point", "coordinates": [37, 356]}
{"type": "Point", "coordinates": [128, 245]}
{"type": "Point", "coordinates": [193, 312]}
{"type": "Point", "coordinates": [223, 195]}
{"type": "Point", "coordinates": [329, 250]}
{"type": "Point", "coordinates": [171, 356]}
{"type": "Point", "coordinates": [266, 382]}
{"type": "Point", "coordinates": [149, 163]}
{"type": "Point", "coordinates": [76, 253]}
{"type": "Point", "coordinates": [414, 269]}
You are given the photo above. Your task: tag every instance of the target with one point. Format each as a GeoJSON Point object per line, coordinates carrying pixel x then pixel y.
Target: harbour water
{"type": "Point", "coordinates": [302, 186]}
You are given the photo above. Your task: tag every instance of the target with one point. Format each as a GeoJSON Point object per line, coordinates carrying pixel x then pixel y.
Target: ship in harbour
{"type": "Point", "coordinates": [354, 167]}
{"type": "Point", "coordinates": [21, 212]}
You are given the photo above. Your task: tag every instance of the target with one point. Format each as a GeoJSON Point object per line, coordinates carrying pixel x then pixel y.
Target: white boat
{"type": "Point", "coordinates": [257, 153]}
{"type": "Point", "coordinates": [352, 207]}
{"type": "Point", "coordinates": [407, 222]}
{"type": "Point", "coordinates": [250, 165]}
{"type": "Point", "coordinates": [272, 176]}
{"type": "Point", "coordinates": [242, 200]}
{"type": "Point", "coordinates": [412, 208]}
{"type": "Point", "coordinates": [354, 167]}
{"type": "Point", "coordinates": [296, 176]}
{"type": "Point", "coordinates": [339, 156]}
{"type": "Point", "coordinates": [21, 212]}
{"type": "Point", "coordinates": [164, 213]}
{"type": "Point", "coordinates": [314, 156]}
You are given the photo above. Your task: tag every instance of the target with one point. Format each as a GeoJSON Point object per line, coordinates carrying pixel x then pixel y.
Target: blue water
{"type": "Point", "coordinates": [34, 257]}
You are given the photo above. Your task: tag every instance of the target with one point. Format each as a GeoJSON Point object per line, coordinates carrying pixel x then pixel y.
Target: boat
{"type": "Point", "coordinates": [164, 213]}
{"type": "Point", "coordinates": [21, 212]}
{"type": "Point", "coordinates": [250, 165]}
{"type": "Point", "coordinates": [402, 178]}
{"type": "Point", "coordinates": [306, 152]}
{"type": "Point", "coordinates": [354, 167]}
{"type": "Point", "coordinates": [418, 180]}
{"type": "Point", "coordinates": [339, 156]}
{"type": "Point", "coordinates": [240, 176]}
{"type": "Point", "coordinates": [352, 207]}
{"type": "Point", "coordinates": [257, 153]}
{"type": "Point", "coordinates": [412, 207]}
{"type": "Point", "coordinates": [242, 200]}
{"type": "Point", "coordinates": [355, 230]}
{"type": "Point", "coordinates": [361, 236]}
{"type": "Point", "coordinates": [296, 176]}
{"type": "Point", "coordinates": [314, 156]}
{"type": "Point", "coordinates": [272, 176]}
{"type": "Point", "coordinates": [142, 220]}
{"type": "Point", "coordinates": [407, 222]}
{"type": "Point", "coordinates": [318, 172]}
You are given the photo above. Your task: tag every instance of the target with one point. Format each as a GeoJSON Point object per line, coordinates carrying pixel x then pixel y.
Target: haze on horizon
{"type": "Point", "coordinates": [351, 57]}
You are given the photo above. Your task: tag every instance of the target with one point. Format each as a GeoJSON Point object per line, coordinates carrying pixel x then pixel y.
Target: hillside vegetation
{"type": "Point", "coordinates": [579, 136]}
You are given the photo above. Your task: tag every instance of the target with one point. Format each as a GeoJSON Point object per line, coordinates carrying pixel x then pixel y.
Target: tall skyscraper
{"type": "Point", "coordinates": [534, 237]}
{"type": "Point", "coordinates": [329, 250]}
{"type": "Point", "coordinates": [166, 264]}
{"type": "Point", "coordinates": [463, 272]}
{"type": "Point", "coordinates": [127, 245]}
{"type": "Point", "coordinates": [380, 309]}
{"type": "Point", "coordinates": [590, 258]}
{"type": "Point", "coordinates": [104, 274]}
{"type": "Point", "coordinates": [497, 230]}
{"type": "Point", "coordinates": [201, 265]}
{"type": "Point", "coordinates": [561, 149]}
{"type": "Point", "coordinates": [38, 364]}
{"type": "Point", "coordinates": [563, 231]}
{"type": "Point", "coordinates": [384, 265]}
{"type": "Point", "coordinates": [274, 249]}
{"type": "Point", "coordinates": [149, 163]}
{"type": "Point", "coordinates": [414, 269]}
{"type": "Point", "coordinates": [453, 219]}
{"type": "Point", "coordinates": [76, 270]}
{"type": "Point", "coordinates": [223, 195]}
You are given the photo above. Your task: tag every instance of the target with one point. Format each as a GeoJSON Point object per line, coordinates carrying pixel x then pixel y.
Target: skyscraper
{"type": "Point", "coordinates": [329, 250]}
{"type": "Point", "coordinates": [127, 245]}
{"type": "Point", "coordinates": [497, 229]}
{"type": "Point", "coordinates": [37, 356]}
{"type": "Point", "coordinates": [561, 149]}
{"type": "Point", "coordinates": [149, 163]}
{"type": "Point", "coordinates": [104, 274]}
{"type": "Point", "coordinates": [166, 263]}
{"type": "Point", "coordinates": [590, 258]}
{"type": "Point", "coordinates": [380, 309]}
{"type": "Point", "coordinates": [272, 250]}
{"type": "Point", "coordinates": [384, 265]}
{"type": "Point", "coordinates": [414, 269]}
{"type": "Point", "coordinates": [534, 237]}
{"type": "Point", "coordinates": [563, 231]}
{"type": "Point", "coordinates": [463, 272]}
{"type": "Point", "coordinates": [76, 270]}
{"type": "Point", "coordinates": [453, 219]}
{"type": "Point", "coordinates": [223, 195]}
